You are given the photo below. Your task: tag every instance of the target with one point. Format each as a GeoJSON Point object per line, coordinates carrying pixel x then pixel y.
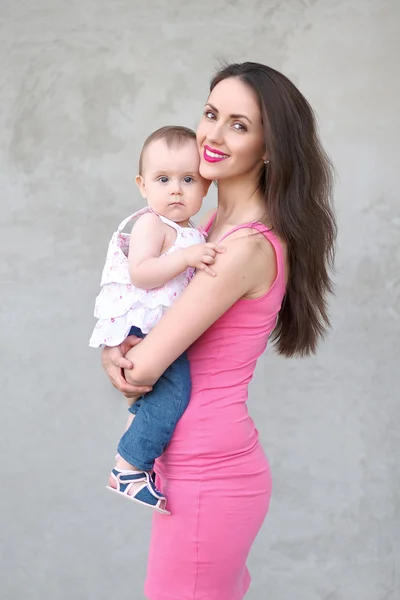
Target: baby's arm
{"type": "Point", "coordinates": [148, 269]}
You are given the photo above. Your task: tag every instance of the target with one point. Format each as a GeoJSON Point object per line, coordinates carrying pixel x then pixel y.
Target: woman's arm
{"type": "Point", "coordinates": [114, 362]}
{"type": "Point", "coordinates": [205, 299]}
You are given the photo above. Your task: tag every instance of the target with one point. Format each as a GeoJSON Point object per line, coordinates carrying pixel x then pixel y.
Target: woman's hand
{"type": "Point", "coordinates": [114, 361]}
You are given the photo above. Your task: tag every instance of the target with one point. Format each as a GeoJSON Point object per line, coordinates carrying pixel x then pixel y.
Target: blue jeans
{"type": "Point", "coordinates": [156, 414]}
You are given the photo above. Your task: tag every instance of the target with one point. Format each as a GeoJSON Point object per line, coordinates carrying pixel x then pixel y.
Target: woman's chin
{"type": "Point", "coordinates": [209, 171]}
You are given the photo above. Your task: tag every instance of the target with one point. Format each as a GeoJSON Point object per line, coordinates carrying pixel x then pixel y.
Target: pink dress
{"type": "Point", "coordinates": [214, 472]}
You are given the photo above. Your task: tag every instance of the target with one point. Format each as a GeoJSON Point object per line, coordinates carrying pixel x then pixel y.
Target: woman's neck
{"type": "Point", "coordinates": [239, 202]}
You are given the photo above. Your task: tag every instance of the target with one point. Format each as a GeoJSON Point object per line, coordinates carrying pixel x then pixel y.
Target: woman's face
{"type": "Point", "coordinates": [230, 134]}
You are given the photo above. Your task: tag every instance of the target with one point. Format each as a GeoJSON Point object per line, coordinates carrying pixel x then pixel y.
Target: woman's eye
{"type": "Point", "coordinates": [188, 179]}
{"type": "Point", "coordinates": [239, 127]}
{"type": "Point", "coordinates": [163, 179]}
{"type": "Point", "coordinates": [209, 114]}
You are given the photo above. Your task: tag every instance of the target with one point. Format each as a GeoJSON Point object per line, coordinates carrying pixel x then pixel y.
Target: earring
{"type": "Point", "coordinates": [266, 162]}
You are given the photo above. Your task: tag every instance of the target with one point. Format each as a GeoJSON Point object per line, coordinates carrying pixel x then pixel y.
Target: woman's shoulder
{"type": "Point", "coordinates": [259, 255]}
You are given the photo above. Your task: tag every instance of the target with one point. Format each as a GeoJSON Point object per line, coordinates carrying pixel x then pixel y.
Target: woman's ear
{"type": "Point", "coordinates": [140, 183]}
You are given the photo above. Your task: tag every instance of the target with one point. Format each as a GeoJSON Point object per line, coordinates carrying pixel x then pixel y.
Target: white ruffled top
{"type": "Point", "coordinates": [120, 305]}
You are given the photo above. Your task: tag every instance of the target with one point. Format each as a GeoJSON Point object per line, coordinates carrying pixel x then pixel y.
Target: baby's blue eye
{"type": "Point", "coordinates": [188, 179]}
{"type": "Point", "coordinates": [163, 179]}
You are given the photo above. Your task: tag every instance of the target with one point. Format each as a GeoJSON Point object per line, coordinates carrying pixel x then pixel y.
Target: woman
{"type": "Point", "coordinates": [257, 138]}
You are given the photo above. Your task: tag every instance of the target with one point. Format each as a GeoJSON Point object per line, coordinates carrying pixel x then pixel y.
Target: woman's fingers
{"type": "Point", "coordinates": [125, 346]}
{"type": "Point", "coordinates": [131, 341]}
{"type": "Point", "coordinates": [118, 380]}
{"type": "Point", "coordinates": [123, 363]}
{"type": "Point", "coordinates": [129, 391]}
{"type": "Point", "coordinates": [112, 357]}
{"type": "Point", "coordinates": [114, 362]}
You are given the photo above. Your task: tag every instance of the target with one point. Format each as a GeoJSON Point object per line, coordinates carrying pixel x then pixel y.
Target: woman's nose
{"type": "Point", "coordinates": [215, 133]}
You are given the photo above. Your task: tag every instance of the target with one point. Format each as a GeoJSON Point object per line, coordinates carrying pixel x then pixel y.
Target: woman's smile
{"type": "Point", "coordinates": [213, 155]}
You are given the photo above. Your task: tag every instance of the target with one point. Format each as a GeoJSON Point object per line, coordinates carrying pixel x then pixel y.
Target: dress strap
{"type": "Point", "coordinates": [271, 237]}
{"type": "Point", "coordinates": [135, 215]}
{"type": "Point", "coordinates": [210, 222]}
{"type": "Point", "coordinates": [170, 223]}
{"type": "Point", "coordinates": [146, 210]}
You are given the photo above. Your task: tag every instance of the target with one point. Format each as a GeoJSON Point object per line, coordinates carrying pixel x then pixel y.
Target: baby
{"type": "Point", "coordinates": [144, 273]}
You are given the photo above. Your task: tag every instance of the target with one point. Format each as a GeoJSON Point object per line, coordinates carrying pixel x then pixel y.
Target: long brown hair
{"type": "Point", "coordinates": [297, 186]}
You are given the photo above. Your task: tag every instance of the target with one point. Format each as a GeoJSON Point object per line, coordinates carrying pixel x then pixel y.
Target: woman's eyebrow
{"type": "Point", "coordinates": [233, 116]}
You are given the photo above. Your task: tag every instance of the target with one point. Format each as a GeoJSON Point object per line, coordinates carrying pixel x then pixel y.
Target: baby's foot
{"type": "Point", "coordinates": [122, 465]}
{"type": "Point", "coordinates": [137, 486]}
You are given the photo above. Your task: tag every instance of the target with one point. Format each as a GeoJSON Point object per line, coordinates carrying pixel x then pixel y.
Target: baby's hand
{"type": "Point", "coordinates": [200, 256]}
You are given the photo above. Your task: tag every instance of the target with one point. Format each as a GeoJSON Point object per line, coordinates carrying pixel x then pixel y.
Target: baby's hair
{"type": "Point", "coordinates": [174, 135]}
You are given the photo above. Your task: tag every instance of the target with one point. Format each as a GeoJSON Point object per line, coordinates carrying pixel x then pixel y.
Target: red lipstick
{"type": "Point", "coordinates": [213, 155]}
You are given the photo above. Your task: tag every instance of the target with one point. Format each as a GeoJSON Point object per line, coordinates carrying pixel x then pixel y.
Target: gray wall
{"type": "Point", "coordinates": [82, 83]}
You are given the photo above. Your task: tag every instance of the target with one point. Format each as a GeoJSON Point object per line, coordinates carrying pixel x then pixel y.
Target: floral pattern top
{"type": "Point", "coordinates": [120, 305]}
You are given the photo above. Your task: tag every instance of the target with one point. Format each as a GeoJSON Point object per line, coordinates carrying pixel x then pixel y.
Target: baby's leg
{"type": "Point", "coordinates": [120, 462]}
{"type": "Point", "coordinates": [147, 435]}
{"type": "Point", "coordinates": [159, 413]}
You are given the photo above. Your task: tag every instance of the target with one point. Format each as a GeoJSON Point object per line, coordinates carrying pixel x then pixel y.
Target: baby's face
{"type": "Point", "coordinates": [171, 182]}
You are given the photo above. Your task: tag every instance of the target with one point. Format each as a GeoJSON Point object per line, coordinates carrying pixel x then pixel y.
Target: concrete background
{"type": "Point", "coordinates": [82, 84]}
